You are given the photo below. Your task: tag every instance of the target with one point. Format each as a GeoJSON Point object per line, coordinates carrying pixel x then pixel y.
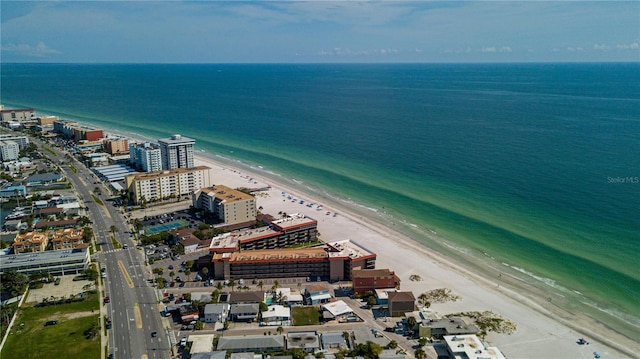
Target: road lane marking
{"type": "Point", "coordinates": [138, 315]}
{"type": "Point", "coordinates": [126, 275]}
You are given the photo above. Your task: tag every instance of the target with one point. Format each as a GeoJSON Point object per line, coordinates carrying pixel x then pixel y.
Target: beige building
{"type": "Point", "coordinates": [67, 238]}
{"type": "Point", "coordinates": [30, 242]}
{"type": "Point", "coordinates": [228, 205]}
{"type": "Point", "coordinates": [18, 115]}
{"type": "Point", "coordinates": [47, 120]}
{"type": "Point", "coordinates": [116, 147]}
{"type": "Point", "coordinates": [154, 186]}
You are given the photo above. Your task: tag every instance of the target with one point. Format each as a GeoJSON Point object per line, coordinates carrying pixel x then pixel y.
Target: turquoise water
{"type": "Point", "coordinates": [533, 167]}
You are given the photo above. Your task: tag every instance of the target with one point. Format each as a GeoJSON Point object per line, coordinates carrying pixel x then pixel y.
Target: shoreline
{"type": "Point", "coordinates": [398, 251]}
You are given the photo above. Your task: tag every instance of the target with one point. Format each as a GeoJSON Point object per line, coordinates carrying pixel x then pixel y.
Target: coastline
{"type": "Point", "coordinates": [537, 321]}
{"type": "Point", "coordinates": [508, 297]}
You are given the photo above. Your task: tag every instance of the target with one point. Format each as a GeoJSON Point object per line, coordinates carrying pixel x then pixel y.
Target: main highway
{"type": "Point", "coordinates": [133, 306]}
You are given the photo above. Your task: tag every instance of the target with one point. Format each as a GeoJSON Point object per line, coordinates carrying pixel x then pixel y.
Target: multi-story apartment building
{"type": "Point", "coordinates": [87, 134]}
{"type": "Point", "coordinates": [67, 238]}
{"type": "Point", "coordinates": [22, 141]}
{"type": "Point", "coordinates": [19, 115]}
{"type": "Point", "coordinates": [117, 146]}
{"type": "Point", "coordinates": [9, 150]}
{"type": "Point", "coordinates": [281, 233]}
{"type": "Point", "coordinates": [30, 242]}
{"type": "Point", "coordinates": [155, 186]}
{"type": "Point", "coordinates": [326, 262]}
{"type": "Point", "coordinates": [146, 156]}
{"type": "Point", "coordinates": [228, 205]}
{"type": "Point", "coordinates": [65, 127]}
{"type": "Point", "coordinates": [177, 152]}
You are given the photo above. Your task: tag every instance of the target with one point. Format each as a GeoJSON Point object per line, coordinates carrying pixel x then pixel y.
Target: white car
{"type": "Point", "coordinates": [183, 341]}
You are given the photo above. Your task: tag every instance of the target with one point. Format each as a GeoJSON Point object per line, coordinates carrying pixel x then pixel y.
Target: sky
{"type": "Point", "coordinates": [319, 31]}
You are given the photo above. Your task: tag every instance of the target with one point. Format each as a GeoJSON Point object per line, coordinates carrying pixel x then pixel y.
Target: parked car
{"type": "Point", "coordinates": [107, 299]}
{"type": "Point", "coordinates": [183, 341]}
{"type": "Point", "coordinates": [50, 322]}
{"type": "Point", "coordinates": [154, 334]}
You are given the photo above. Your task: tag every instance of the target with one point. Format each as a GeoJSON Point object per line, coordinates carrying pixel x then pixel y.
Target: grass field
{"type": "Point", "coordinates": [30, 338]}
{"type": "Point", "coordinates": [305, 315]}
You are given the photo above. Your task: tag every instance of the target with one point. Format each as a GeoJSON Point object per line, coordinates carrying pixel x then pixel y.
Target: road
{"type": "Point", "coordinates": [134, 304]}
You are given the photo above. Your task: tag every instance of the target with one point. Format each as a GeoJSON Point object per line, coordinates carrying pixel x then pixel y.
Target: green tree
{"type": "Point", "coordinates": [260, 284]}
{"type": "Point", "coordinates": [371, 301]}
{"type": "Point", "coordinates": [420, 354]}
{"type": "Point", "coordinates": [205, 272]}
{"type": "Point", "coordinates": [280, 330]}
{"type": "Point", "coordinates": [263, 307]}
{"type": "Point", "coordinates": [219, 286]}
{"type": "Point", "coordinates": [232, 283]}
{"type": "Point", "coordinates": [412, 322]}
{"type": "Point", "coordinates": [392, 344]}
{"type": "Point", "coordinates": [172, 274]}
{"type": "Point", "coordinates": [14, 282]}
{"type": "Point", "coordinates": [90, 274]}
{"type": "Point", "coordinates": [187, 273]}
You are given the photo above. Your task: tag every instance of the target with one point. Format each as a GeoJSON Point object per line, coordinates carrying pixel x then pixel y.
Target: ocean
{"type": "Point", "coordinates": [529, 169]}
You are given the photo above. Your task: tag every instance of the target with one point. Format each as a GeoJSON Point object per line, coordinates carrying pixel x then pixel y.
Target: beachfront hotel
{"type": "Point", "coordinates": [229, 206]}
{"type": "Point", "coordinates": [282, 233]}
{"type": "Point", "coordinates": [332, 261]}
{"type": "Point", "coordinates": [153, 186]}
{"type": "Point", "coordinates": [177, 152]}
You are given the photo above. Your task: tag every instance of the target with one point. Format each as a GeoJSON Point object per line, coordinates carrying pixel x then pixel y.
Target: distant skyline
{"type": "Point", "coordinates": [319, 31]}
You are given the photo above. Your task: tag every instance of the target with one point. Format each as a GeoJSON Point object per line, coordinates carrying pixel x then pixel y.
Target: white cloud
{"type": "Point", "coordinates": [505, 49]}
{"type": "Point", "coordinates": [632, 46]}
{"type": "Point", "coordinates": [488, 49]}
{"type": "Point", "coordinates": [600, 47]}
{"type": "Point", "coordinates": [40, 50]}
{"type": "Point", "coordinates": [339, 51]}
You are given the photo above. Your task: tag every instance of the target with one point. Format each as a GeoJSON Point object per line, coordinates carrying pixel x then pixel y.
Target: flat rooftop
{"type": "Point", "coordinates": [163, 173]}
{"type": "Point", "coordinates": [471, 347]}
{"type": "Point", "coordinates": [347, 248]}
{"type": "Point", "coordinates": [273, 255]}
{"type": "Point", "coordinates": [293, 221]}
{"type": "Point", "coordinates": [226, 194]}
{"type": "Point", "coordinates": [233, 239]}
{"type": "Point", "coordinates": [16, 260]}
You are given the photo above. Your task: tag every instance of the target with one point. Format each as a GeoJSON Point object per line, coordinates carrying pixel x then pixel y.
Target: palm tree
{"type": "Point", "coordinates": [232, 283]}
{"type": "Point", "coordinates": [187, 272]}
{"type": "Point", "coordinates": [205, 272]}
{"type": "Point", "coordinates": [113, 229]}
{"type": "Point", "coordinates": [260, 284]}
{"type": "Point", "coordinates": [275, 285]}
{"type": "Point", "coordinates": [420, 354]}
{"type": "Point", "coordinates": [219, 286]}
{"type": "Point", "coordinates": [411, 322]}
{"type": "Point", "coordinates": [172, 274]}
{"type": "Point", "coordinates": [280, 330]}
{"type": "Point", "coordinates": [424, 299]}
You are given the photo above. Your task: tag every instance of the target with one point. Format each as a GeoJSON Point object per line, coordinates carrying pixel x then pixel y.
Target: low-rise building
{"type": "Point", "coordinates": [333, 340]}
{"type": "Point", "coordinates": [244, 312]}
{"type": "Point", "coordinates": [43, 178]}
{"type": "Point", "coordinates": [317, 293]}
{"type": "Point", "coordinates": [336, 310]}
{"type": "Point", "coordinates": [251, 343]}
{"type": "Point", "coordinates": [309, 341]}
{"type": "Point", "coordinates": [439, 328]}
{"type": "Point", "coordinates": [216, 312]}
{"type": "Point", "coordinates": [368, 280]}
{"type": "Point", "coordinates": [30, 242]}
{"type": "Point", "coordinates": [61, 262]}
{"type": "Point", "coordinates": [17, 115]}
{"type": "Point", "coordinates": [67, 238]}
{"type": "Point", "coordinates": [470, 346]}
{"type": "Point", "coordinates": [276, 315]}
{"type": "Point", "coordinates": [188, 312]}
{"type": "Point", "coordinates": [401, 302]}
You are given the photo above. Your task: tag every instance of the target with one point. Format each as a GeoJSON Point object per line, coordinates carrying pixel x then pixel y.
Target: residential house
{"type": "Point", "coordinates": [336, 310]}
{"type": "Point", "coordinates": [188, 312]}
{"type": "Point", "coordinates": [276, 315]}
{"type": "Point", "coordinates": [190, 244]}
{"type": "Point", "coordinates": [470, 346]}
{"type": "Point", "coordinates": [216, 312]}
{"type": "Point", "coordinates": [43, 178]}
{"type": "Point", "coordinates": [333, 340]}
{"type": "Point", "coordinates": [439, 328]}
{"type": "Point", "coordinates": [401, 302]}
{"type": "Point", "coordinates": [309, 341]}
{"type": "Point", "coordinates": [317, 293]}
{"type": "Point", "coordinates": [244, 312]}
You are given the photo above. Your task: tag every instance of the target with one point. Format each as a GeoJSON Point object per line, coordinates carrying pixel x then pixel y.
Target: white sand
{"type": "Point", "coordinates": [537, 334]}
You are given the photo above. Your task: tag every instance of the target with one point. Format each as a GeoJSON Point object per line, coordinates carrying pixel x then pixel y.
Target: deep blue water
{"type": "Point", "coordinates": [536, 165]}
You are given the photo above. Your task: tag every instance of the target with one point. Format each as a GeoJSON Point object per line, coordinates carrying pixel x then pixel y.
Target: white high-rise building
{"type": "Point", "coordinates": [146, 156]}
{"type": "Point", "coordinates": [177, 152]}
{"type": "Point", "coordinates": [9, 150]}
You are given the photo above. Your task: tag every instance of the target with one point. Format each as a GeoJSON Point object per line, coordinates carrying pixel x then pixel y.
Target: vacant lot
{"type": "Point", "coordinates": [30, 338]}
{"type": "Point", "coordinates": [305, 315]}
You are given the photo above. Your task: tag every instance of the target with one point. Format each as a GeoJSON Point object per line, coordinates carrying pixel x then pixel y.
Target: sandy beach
{"type": "Point", "coordinates": [542, 331]}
